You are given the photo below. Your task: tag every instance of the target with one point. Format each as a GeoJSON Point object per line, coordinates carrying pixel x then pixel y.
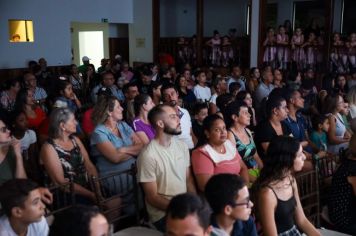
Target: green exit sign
{"type": "Point", "coordinates": [104, 20]}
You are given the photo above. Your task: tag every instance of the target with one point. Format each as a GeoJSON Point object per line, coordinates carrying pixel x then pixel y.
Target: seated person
{"type": "Point", "coordinates": [342, 201]}
{"type": "Point", "coordinates": [187, 214]}
{"type": "Point", "coordinates": [279, 209]}
{"type": "Point", "coordinates": [34, 113]}
{"type": "Point", "coordinates": [269, 129]}
{"type": "Point", "coordinates": [87, 124]}
{"type": "Point", "coordinates": [229, 199]}
{"type": "Point", "coordinates": [113, 142]}
{"type": "Point", "coordinates": [80, 220]}
{"type": "Point", "coordinates": [143, 104]}
{"type": "Point", "coordinates": [66, 96]}
{"type": "Point", "coordinates": [163, 166]}
{"type": "Point", "coordinates": [23, 208]}
{"type": "Point", "coordinates": [64, 155]}
{"type": "Point", "coordinates": [29, 145]}
{"type": "Point", "coordinates": [216, 154]}
{"type": "Point", "coordinates": [11, 160]}
{"type": "Point", "coordinates": [237, 119]}
{"type": "Point", "coordinates": [200, 112]}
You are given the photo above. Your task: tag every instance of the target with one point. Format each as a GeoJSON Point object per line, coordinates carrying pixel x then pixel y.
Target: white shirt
{"type": "Point", "coordinates": [202, 93]}
{"type": "Point", "coordinates": [39, 228]}
{"type": "Point", "coordinates": [186, 125]}
{"type": "Point", "coordinates": [28, 139]}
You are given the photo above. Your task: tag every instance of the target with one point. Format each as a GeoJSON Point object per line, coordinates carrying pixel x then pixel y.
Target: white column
{"type": "Point", "coordinates": [141, 33]}
{"type": "Point", "coordinates": [255, 15]}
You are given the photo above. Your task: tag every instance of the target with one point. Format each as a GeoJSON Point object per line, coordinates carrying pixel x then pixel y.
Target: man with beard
{"type": "Point", "coordinates": [170, 97]}
{"type": "Point", "coordinates": [164, 164]}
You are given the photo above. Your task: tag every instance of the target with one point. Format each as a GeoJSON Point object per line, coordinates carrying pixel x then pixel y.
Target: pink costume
{"type": "Point", "coordinates": [282, 51]}
{"type": "Point", "coordinates": [352, 54]}
{"type": "Point", "coordinates": [298, 54]}
{"type": "Point", "coordinates": [215, 53]}
{"type": "Point", "coordinates": [311, 51]}
{"type": "Point", "coordinates": [269, 55]}
{"type": "Point", "coordinates": [227, 55]}
{"type": "Point", "coordinates": [338, 57]}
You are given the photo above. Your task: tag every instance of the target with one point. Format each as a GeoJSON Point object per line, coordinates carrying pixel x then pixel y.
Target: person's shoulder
{"type": "Point", "coordinates": [185, 111]}
{"type": "Point", "coordinates": [148, 152]}
{"type": "Point", "coordinates": [5, 228]}
{"type": "Point", "coordinates": [38, 228]}
{"type": "Point", "coordinates": [100, 128]}
{"type": "Point", "coordinates": [248, 227]}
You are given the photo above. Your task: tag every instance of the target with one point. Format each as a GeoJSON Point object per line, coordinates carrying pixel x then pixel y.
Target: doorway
{"type": "Point", "coordinates": [91, 40]}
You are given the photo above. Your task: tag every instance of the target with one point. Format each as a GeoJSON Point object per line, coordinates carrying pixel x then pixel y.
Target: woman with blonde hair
{"type": "Point", "coordinates": [113, 142]}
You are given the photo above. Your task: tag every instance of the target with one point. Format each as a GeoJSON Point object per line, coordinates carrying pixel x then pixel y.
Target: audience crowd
{"type": "Point", "coordinates": [202, 142]}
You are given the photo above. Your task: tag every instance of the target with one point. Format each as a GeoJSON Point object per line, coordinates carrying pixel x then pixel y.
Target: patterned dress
{"type": "Point", "coordinates": [72, 163]}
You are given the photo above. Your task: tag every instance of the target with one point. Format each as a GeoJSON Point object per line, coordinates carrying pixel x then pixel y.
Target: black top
{"type": "Point", "coordinates": [265, 133]}
{"type": "Point", "coordinates": [284, 213]}
{"type": "Point", "coordinates": [342, 202]}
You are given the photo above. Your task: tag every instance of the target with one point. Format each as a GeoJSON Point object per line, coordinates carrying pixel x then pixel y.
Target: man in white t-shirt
{"type": "Point", "coordinates": [170, 97]}
{"type": "Point", "coordinates": [24, 211]}
{"type": "Point", "coordinates": [164, 164]}
{"type": "Point", "coordinates": [201, 91]}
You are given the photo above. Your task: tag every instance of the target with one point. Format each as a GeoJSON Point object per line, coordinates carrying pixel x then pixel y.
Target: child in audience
{"type": "Point", "coordinates": [201, 90]}
{"type": "Point", "coordinates": [67, 97]}
{"type": "Point", "coordinates": [200, 112]}
{"type": "Point", "coordinates": [318, 137]}
{"type": "Point", "coordinates": [28, 142]}
{"type": "Point", "coordinates": [229, 199]}
{"type": "Point", "coordinates": [21, 202]}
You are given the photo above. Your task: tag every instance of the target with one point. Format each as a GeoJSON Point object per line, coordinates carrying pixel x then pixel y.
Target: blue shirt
{"type": "Point", "coordinates": [103, 134]}
{"type": "Point", "coordinates": [297, 127]}
{"type": "Point", "coordinates": [241, 228]}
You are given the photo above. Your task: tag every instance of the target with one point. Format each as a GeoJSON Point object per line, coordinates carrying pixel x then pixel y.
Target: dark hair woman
{"type": "Point", "coordinates": [215, 153]}
{"type": "Point", "coordinates": [278, 205]}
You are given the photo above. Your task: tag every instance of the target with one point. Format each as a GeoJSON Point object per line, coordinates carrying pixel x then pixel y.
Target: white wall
{"type": "Point", "coordinates": [178, 17]}
{"type": "Point", "coordinates": [141, 30]}
{"type": "Point", "coordinates": [51, 20]}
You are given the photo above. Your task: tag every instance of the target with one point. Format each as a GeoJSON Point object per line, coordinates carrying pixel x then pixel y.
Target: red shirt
{"type": "Point", "coordinates": [34, 123]}
{"type": "Point", "coordinates": [87, 123]}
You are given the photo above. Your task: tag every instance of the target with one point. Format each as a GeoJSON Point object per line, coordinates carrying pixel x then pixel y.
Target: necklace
{"type": "Point", "coordinates": [113, 130]}
{"type": "Point", "coordinates": [218, 149]}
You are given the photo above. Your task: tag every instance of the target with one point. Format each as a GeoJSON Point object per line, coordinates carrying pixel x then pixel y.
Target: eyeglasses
{"type": "Point", "coordinates": [4, 129]}
{"type": "Point", "coordinates": [247, 204]}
